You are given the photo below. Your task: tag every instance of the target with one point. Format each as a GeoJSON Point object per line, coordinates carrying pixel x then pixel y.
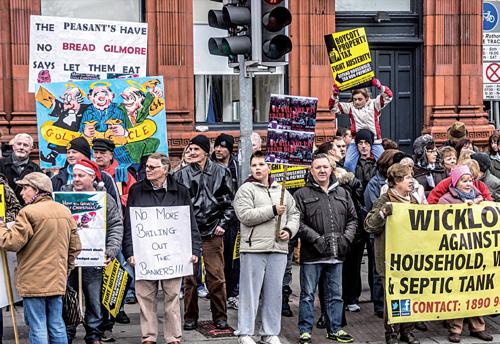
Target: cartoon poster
{"type": "Point", "coordinates": [130, 112]}
{"type": "Point", "coordinates": [290, 134]}
{"type": "Point", "coordinates": [64, 49]}
{"type": "Point", "coordinates": [350, 58]}
{"type": "Point", "coordinates": [89, 212]}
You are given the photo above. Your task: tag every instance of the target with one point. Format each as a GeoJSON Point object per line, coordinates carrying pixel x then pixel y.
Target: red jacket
{"type": "Point", "coordinates": [123, 187]}
{"type": "Point", "coordinates": [444, 186]}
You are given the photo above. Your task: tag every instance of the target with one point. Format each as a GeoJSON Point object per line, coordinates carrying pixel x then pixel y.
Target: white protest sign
{"type": "Point", "coordinates": [89, 211]}
{"type": "Point", "coordinates": [12, 263]}
{"type": "Point", "coordinates": [64, 49]}
{"type": "Point", "coordinates": [162, 242]}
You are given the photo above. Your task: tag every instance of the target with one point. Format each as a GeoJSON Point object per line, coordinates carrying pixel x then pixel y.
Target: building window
{"type": "Point", "coordinates": [373, 5]}
{"type": "Point", "coordinates": [122, 10]}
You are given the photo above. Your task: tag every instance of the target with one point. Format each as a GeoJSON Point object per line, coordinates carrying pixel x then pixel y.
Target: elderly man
{"type": "Point", "coordinates": [328, 224]}
{"type": "Point", "coordinates": [210, 187]}
{"type": "Point", "coordinates": [87, 178]}
{"type": "Point", "coordinates": [42, 266]}
{"type": "Point", "coordinates": [19, 163]}
{"type": "Point", "coordinates": [159, 189]}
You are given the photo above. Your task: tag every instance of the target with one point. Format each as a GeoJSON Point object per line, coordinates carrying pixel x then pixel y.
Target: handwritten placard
{"type": "Point", "coordinates": [162, 242]}
{"type": "Point", "coordinates": [12, 263]}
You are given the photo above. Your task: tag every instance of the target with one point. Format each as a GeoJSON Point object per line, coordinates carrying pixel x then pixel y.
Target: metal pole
{"type": "Point", "coordinates": [497, 115]}
{"type": "Point", "coordinates": [246, 119]}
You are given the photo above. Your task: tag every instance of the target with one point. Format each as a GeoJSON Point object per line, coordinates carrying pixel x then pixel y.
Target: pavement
{"type": "Point", "coordinates": [364, 326]}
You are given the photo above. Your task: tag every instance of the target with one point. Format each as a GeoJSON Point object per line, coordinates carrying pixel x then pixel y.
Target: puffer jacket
{"type": "Point", "coordinates": [114, 223]}
{"type": "Point", "coordinates": [254, 207]}
{"type": "Point", "coordinates": [47, 243]}
{"type": "Point", "coordinates": [12, 205]}
{"type": "Point", "coordinates": [322, 214]}
{"type": "Point", "coordinates": [211, 193]}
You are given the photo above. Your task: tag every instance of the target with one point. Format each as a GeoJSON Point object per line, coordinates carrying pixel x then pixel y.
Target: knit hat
{"type": "Point", "coordinates": [457, 132]}
{"type": "Point", "coordinates": [38, 181]}
{"type": "Point", "coordinates": [103, 145]}
{"type": "Point", "coordinates": [89, 167]}
{"type": "Point", "coordinates": [364, 134]}
{"type": "Point", "coordinates": [202, 141]}
{"type": "Point", "coordinates": [483, 160]}
{"type": "Point", "coordinates": [80, 144]}
{"type": "Point", "coordinates": [225, 140]}
{"type": "Point", "coordinates": [458, 172]}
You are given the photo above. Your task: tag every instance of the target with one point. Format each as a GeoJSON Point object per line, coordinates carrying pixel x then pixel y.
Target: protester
{"type": "Point", "coordinates": [327, 228]}
{"type": "Point", "coordinates": [46, 241]}
{"type": "Point", "coordinates": [389, 144]}
{"type": "Point", "coordinates": [364, 113]}
{"type": "Point", "coordinates": [185, 160]}
{"type": "Point", "coordinates": [449, 155]}
{"type": "Point", "coordinates": [417, 192]}
{"type": "Point", "coordinates": [266, 227]}
{"type": "Point", "coordinates": [428, 169]}
{"type": "Point", "coordinates": [400, 181]}
{"type": "Point", "coordinates": [16, 166]}
{"type": "Point", "coordinates": [345, 134]}
{"type": "Point", "coordinates": [455, 133]}
{"type": "Point", "coordinates": [494, 152]}
{"type": "Point", "coordinates": [159, 189]}
{"type": "Point", "coordinates": [256, 142]}
{"type": "Point", "coordinates": [492, 182]}
{"type": "Point", "coordinates": [210, 186]}
{"type": "Point", "coordinates": [223, 154]}
{"type": "Point", "coordinates": [86, 177]}
{"type": "Point", "coordinates": [462, 190]}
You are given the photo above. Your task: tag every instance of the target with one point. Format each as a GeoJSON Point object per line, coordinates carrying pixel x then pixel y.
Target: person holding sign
{"type": "Point", "coordinates": [400, 181]}
{"type": "Point", "coordinates": [263, 250]}
{"type": "Point", "coordinates": [87, 177]}
{"type": "Point", "coordinates": [363, 113]}
{"type": "Point", "coordinates": [46, 241]}
{"type": "Point", "coordinates": [159, 189]}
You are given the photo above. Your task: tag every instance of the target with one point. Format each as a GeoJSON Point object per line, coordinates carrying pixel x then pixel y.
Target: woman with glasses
{"type": "Point", "coordinates": [428, 169]}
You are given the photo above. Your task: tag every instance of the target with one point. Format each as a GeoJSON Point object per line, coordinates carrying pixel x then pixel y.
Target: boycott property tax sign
{"type": "Point", "coordinates": [162, 242]}
{"type": "Point", "coordinates": [442, 261]}
{"type": "Point", "coordinates": [64, 49]}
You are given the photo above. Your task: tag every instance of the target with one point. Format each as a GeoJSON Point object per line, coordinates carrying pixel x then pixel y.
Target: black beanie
{"type": "Point", "coordinates": [202, 141]}
{"type": "Point", "coordinates": [483, 160]}
{"type": "Point", "coordinates": [364, 134]}
{"type": "Point", "coordinates": [225, 140]}
{"type": "Point", "coordinates": [80, 144]}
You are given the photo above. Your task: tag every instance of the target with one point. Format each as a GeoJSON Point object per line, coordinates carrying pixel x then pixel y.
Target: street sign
{"type": "Point", "coordinates": [491, 50]}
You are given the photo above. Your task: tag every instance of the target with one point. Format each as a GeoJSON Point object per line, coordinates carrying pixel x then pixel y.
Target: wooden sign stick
{"type": "Point", "coordinates": [282, 200]}
{"type": "Point", "coordinates": [10, 294]}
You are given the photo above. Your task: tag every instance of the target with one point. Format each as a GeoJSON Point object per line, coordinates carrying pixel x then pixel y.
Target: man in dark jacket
{"type": "Point", "coordinates": [223, 154]}
{"type": "Point", "coordinates": [366, 167]}
{"type": "Point", "coordinates": [328, 225]}
{"type": "Point", "coordinates": [159, 189]}
{"type": "Point", "coordinates": [19, 164]}
{"type": "Point", "coordinates": [210, 187]}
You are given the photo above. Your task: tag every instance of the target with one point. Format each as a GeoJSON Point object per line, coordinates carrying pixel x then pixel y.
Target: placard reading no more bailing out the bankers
{"type": "Point", "coordinates": [350, 58]}
{"type": "Point", "coordinates": [442, 261]}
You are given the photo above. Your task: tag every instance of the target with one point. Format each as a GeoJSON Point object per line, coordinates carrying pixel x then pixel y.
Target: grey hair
{"type": "Point", "coordinates": [256, 138]}
{"type": "Point", "coordinates": [165, 162]}
{"type": "Point", "coordinates": [27, 136]}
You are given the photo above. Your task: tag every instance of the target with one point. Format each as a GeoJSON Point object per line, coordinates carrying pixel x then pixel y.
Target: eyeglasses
{"type": "Point", "coordinates": [152, 168]}
{"type": "Point", "coordinates": [431, 150]}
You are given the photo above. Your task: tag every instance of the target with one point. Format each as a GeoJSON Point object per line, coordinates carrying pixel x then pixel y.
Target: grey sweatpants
{"type": "Point", "coordinates": [261, 275]}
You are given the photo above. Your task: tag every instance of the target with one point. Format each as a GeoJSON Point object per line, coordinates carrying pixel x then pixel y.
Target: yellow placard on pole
{"type": "Point", "coordinates": [442, 261]}
{"type": "Point", "coordinates": [350, 58]}
{"type": "Point", "coordinates": [114, 286]}
{"type": "Point", "coordinates": [2, 203]}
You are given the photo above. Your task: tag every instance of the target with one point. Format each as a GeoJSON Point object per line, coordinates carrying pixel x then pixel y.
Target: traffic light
{"type": "Point", "coordinates": [275, 41]}
{"type": "Point", "coordinates": [235, 17]}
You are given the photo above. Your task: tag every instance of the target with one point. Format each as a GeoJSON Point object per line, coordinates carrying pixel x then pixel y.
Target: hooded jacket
{"type": "Point", "coordinates": [322, 214]}
{"type": "Point", "coordinates": [254, 207]}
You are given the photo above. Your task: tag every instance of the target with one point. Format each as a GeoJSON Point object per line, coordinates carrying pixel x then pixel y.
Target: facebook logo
{"type": "Point", "coordinates": [405, 307]}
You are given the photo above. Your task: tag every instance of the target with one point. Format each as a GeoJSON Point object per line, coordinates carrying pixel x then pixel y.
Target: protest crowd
{"type": "Point", "coordinates": [348, 195]}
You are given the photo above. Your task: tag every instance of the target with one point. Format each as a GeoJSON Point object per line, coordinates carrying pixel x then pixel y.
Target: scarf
{"type": "Point", "coordinates": [495, 157]}
{"type": "Point", "coordinates": [396, 197]}
{"type": "Point", "coordinates": [38, 196]}
{"type": "Point", "coordinates": [19, 165]}
{"type": "Point", "coordinates": [464, 196]}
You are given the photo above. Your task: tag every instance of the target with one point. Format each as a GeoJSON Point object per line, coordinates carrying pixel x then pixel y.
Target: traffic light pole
{"type": "Point", "coordinates": [246, 119]}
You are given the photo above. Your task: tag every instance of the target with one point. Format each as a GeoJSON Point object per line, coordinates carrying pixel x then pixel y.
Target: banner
{"type": "Point", "coordinates": [350, 58]}
{"type": "Point", "coordinates": [2, 203]}
{"type": "Point", "coordinates": [162, 242]}
{"type": "Point", "coordinates": [130, 112]}
{"type": "Point", "coordinates": [290, 133]}
{"type": "Point", "coordinates": [64, 49]}
{"type": "Point", "coordinates": [115, 282]}
{"type": "Point", "coordinates": [442, 261]}
{"type": "Point", "coordinates": [89, 212]}
{"type": "Point", "coordinates": [295, 176]}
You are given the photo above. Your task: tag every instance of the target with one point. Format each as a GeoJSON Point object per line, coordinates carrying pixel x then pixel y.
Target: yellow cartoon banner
{"type": "Point", "coordinates": [442, 261]}
{"type": "Point", "coordinates": [350, 58]}
{"type": "Point", "coordinates": [115, 283]}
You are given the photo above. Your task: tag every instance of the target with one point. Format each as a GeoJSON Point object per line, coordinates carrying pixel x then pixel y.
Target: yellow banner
{"type": "Point", "coordinates": [2, 204]}
{"type": "Point", "coordinates": [295, 175]}
{"type": "Point", "coordinates": [442, 261]}
{"type": "Point", "coordinates": [236, 248]}
{"type": "Point", "coordinates": [350, 58]}
{"type": "Point", "coordinates": [114, 286]}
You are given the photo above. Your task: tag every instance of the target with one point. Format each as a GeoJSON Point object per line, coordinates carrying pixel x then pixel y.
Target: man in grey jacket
{"type": "Point", "coordinates": [328, 225]}
{"type": "Point", "coordinates": [87, 178]}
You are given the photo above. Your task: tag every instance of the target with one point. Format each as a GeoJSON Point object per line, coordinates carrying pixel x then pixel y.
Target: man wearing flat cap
{"type": "Point", "coordinates": [46, 241]}
{"type": "Point", "coordinates": [211, 190]}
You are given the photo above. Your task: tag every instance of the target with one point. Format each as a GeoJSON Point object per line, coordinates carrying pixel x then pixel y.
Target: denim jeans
{"type": "Point", "coordinates": [91, 284]}
{"type": "Point", "coordinates": [309, 277]}
{"type": "Point", "coordinates": [43, 316]}
{"type": "Point", "coordinates": [374, 279]}
{"type": "Point", "coordinates": [352, 155]}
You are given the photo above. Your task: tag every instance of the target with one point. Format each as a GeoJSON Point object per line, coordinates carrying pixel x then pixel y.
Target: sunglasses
{"type": "Point", "coordinates": [152, 168]}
